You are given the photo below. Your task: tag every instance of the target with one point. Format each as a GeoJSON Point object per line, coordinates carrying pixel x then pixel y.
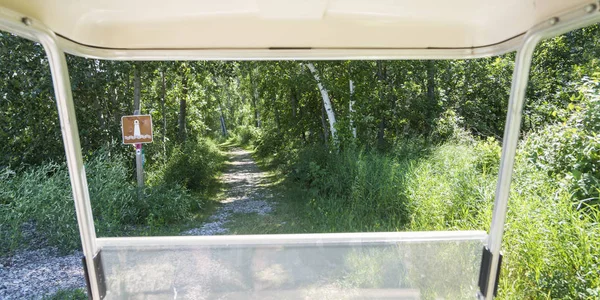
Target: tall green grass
{"type": "Point", "coordinates": [40, 197]}
{"type": "Point", "coordinates": [552, 248]}
{"type": "Point", "coordinates": [552, 233]}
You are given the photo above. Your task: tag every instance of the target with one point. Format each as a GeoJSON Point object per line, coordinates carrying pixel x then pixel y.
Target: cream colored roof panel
{"type": "Point", "coordinates": [260, 24]}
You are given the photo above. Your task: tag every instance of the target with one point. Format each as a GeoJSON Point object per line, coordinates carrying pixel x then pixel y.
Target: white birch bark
{"type": "Point", "coordinates": [326, 102]}
{"type": "Point", "coordinates": [351, 104]}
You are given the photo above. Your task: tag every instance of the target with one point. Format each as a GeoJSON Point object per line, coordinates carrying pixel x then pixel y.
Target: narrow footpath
{"type": "Point", "coordinates": [245, 194]}
{"type": "Point", "coordinates": [33, 274]}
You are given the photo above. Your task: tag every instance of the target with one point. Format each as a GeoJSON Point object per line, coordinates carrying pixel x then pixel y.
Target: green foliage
{"type": "Point", "coordinates": [166, 204]}
{"type": "Point", "coordinates": [193, 165]}
{"type": "Point", "coordinates": [74, 294]}
{"type": "Point", "coordinates": [352, 190]}
{"type": "Point", "coordinates": [449, 126]}
{"type": "Point", "coordinates": [246, 135]}
{"type": "Point", "coordinates": [488, 153]}
{"type": "Point", "coordinates": [446, 191]}
{"type": "Point", "coordinates": [272, 144]}
{"type": "Point", "coordinates": [569, 150]}
{"type": "Point", "coordinates": [435, 125]}
{"type": "Point", "coordinates": [551, 248]}
{"type": "Point", "coordinates": [42, 196]}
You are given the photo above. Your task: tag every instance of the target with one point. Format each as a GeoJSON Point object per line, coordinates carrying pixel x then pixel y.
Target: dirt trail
{"type": "Point", "coordinates": [34, 273]}
{"type": "Point", "coordinates": [244, 194]}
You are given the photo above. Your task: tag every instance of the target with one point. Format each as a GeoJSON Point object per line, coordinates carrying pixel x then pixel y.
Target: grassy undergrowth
{"type": "Point", "coordinates": [177, 196]}
{"type": "Point", "coordinates": [552, 233]}
{"type": "Point", "coordinates": [72, 294]}
{"type": "Point", "coordinates": [552, 240]}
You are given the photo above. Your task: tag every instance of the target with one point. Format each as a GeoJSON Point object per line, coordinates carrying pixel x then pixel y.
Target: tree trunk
{"type": "Point", "coordinates": [239, 87]}
{"type": "Point", "coordinates": [382, 76]}
{"type": "Point", "coordinates": [324, 123]}
{"type": "Point", "coordinates": [164, 114]}
{"type": "Point", "coordinates": [137, 91]}
{"type": "Point", "coordinates": [223, 125]}
{"type": "Point", "coordinates": [326, 102]}
{"type": "Point", "coordinates": [183, 109]}
{"type": "Point", "coordinates": [255, 99]}
{"type": "Point", "coordinates": [381, 134]}
{"type": "Point", "coordinates": [276, 111]}
{"type": "Point", "coordinates": [300, 123]}
{"type": "Point", "coordinates": [294, 102]}
{"type": "Point", "coordinates": [351, 109]}
{"type": "Point", "coordinates": [229, 106]}
{"type": "Point", "coordinates": [432, 104]}
{"type": "Point", "coordinates": [99, 111]}
{"type": "Point", "coordinates": [114, 99]}
{"type": "Point", "coordinates": [222, 115]}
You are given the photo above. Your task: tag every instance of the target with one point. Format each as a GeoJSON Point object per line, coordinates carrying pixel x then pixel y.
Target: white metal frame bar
{"type": "Point", "coordinates": [29, 29]}
{"type": "Point", "coordinates": [581, 17]}
{"type": "Point", "coordinates": [53, 45]}
{"type": "Point", "coordinates": [289, 54]}
{"type": "Point", "coordinates": [294, 239]}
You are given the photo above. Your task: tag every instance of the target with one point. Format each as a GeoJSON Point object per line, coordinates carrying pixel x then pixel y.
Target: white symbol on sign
{"type": "Point", "coordinates": [136, 129]}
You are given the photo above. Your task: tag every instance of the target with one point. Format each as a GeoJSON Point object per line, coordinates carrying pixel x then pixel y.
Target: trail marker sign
{"type": "Point", "coordinates": [136, 129]}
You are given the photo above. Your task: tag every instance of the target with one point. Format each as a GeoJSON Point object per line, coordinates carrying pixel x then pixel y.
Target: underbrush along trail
{"type": "Point", "coordinates": [36, 273]}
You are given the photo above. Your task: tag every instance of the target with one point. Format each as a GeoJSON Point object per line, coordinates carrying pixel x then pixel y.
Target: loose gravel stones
{"type": "Point", "coordinates": [244, 194]}
{"type": "Point", "coordinates": [33, 274]}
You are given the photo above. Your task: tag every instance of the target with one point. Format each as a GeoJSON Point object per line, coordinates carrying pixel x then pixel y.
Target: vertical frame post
{"type": "Point", "coordinates": [509, 149]}
{"type": "Point", "coordinates": [577, 18]}
{"type": "Point", "coordinates": [70, 134]}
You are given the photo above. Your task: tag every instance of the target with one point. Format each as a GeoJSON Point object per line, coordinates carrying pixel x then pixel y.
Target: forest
{"type": "Point", "coordinates": [357, 146]}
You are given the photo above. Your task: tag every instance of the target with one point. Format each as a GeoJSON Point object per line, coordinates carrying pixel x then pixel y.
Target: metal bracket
{"type": "Point", "coordinates": [484, 272]}
{"type": "Point", "coordinates": [99, 271]}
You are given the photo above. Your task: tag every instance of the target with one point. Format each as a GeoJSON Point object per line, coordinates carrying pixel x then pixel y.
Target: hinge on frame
{"type": "Point", "coordinates": [484, 272]}
{"type": "Point", "coordinates": [99, 276]}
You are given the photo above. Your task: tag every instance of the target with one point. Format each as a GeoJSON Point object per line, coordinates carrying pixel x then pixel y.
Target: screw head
{"type": "Point", "coordinates": [26, 21]}
{"type": "Point", "coordinates": [590, 8]}
{"type": "Point", "coordinates": [554, 20]}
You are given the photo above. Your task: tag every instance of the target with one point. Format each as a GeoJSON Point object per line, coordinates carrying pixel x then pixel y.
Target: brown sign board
{"type": "Point", "coordinates": [136, 129]}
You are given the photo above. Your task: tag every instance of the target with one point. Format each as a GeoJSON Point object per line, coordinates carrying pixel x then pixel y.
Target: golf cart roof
{"type": "Point", "coordinates": [462, 28]}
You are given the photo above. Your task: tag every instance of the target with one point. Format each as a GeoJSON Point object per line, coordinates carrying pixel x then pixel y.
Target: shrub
{"type": "Point", "coordinates": [488, 154]}
{"type": "Point", "coordinates": [449, 125]}
{"type": "Point", "coordinates": [246, 135]}
{"type": "Point", "coordinates": [194, 165]}
{"type": "Point", "coordinates": [352, 190]}
{"type": "Point", "coordinates": [570, 151]}
{"type": "Point", "coordinates": [550, 246]}
{"type": "Point", "coordinates": [446, 191]}
{"type": "Point", "coordinates": [270, 143]}
{"type": "Point", "coordinates": [167, 204]}
{"type": "Point", "coordinates": [41, 196]}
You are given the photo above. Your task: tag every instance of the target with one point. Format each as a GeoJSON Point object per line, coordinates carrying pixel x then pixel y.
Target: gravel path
{"type": "Point", "coordinates": [33, 274]}
{"type": "Point", "coordinates": [244, 194]}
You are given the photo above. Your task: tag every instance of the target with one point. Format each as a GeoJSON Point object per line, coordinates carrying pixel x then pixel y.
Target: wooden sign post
{"type": "Point", "coordinates": [137, 130]}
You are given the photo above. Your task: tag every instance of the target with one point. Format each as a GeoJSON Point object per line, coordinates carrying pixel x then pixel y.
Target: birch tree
{"type": "Point", "coordinates": [326, 102]}
{"type": "Point", "coordinates": [351, 109]}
